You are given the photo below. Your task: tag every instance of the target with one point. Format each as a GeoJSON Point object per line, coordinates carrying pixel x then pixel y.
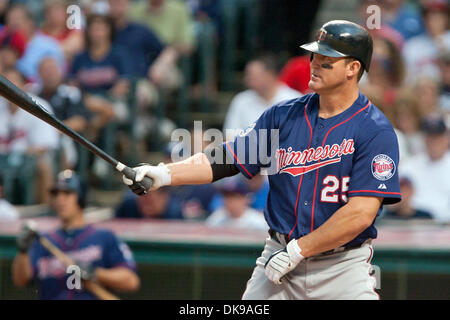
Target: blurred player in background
{"type": "Point", "coordinates": [101, 256]}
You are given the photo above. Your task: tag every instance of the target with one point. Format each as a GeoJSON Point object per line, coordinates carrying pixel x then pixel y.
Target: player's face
{"type": "Point", "coordinates": [65, 205]}
{"type": "Point", "coordinates": [328, 73]}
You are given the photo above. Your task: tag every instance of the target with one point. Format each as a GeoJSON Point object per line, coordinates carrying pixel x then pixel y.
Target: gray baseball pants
{"type": "Point", "coordinates": [337, 276]}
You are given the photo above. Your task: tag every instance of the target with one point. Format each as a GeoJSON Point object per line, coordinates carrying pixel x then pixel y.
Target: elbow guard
{"type": "Point", "coordinates": [223, 170]}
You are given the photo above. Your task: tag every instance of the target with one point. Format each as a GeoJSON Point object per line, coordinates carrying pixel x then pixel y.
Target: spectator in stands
{"type": "Point", "coordinates": [402, 16]}
{"type": "Point", "coordinates": [444, 99]}
{"type": "Point", "coordinates": [145, 52]}
{"type": "Point", "coordinates": [264, 90]}
{"type": "Point", "coordinates": [388, 48]}
{"type": "Point", "coordinates": [421, 52]}
{"type": "Point", "coordinates": [143, 45]}
{"type": "Point", "coordinates": [296, 74]}
{"type": "Point", "coordinates": [365, 17]}
{"type": "Point", "coordinates": [388, 72]}
{"type": "Point", "coordinates": [154, 205]}
{"type": "Point", "coordinates": [55, 26]}
{"type": "Point", "coordinates": [23, 133]}
{"type": "Point", "coordinates": [12, 47]}
{"type": "Point", "coordinates": [258, 188]}
{"type": "Point", "coordinates": [67, 104]}
{"type": "Point", "coordinates": [195, 200]}
{"type": "Point", "coordinates": [7, 211]}
{"type": "Point", "coordinates": [38, 45]}
{"type": "Point", "coordinates": [170, 20]}
{"type": "Point", "coordinates": [426, 91]}
{"type": "Point", "coordinates": [66, 100]}
{"type": "Point", "coordinates": [407, 119]}
{"type": "Point", "coordinates": [430, 172]}
{"type": "Point", "coordinates": [172, 23]}
{"type": "Point", "coordinates": [101, 74]}
{"type": "Point", "coordinates": [236, 212]}
{"type": "Point", "coordinates": [102, 257]}
{"type": "Point", "coordinates": [404, 210]}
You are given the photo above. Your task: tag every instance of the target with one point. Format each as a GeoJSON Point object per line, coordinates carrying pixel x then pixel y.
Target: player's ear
{"type": "Point", "coordinates": [353, 68]}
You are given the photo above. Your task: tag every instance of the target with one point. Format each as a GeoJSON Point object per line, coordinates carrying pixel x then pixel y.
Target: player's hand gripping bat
{"type": "Point", "coordinates": [27, 103]}
{"type": "Point", "coordinates": [91, 286]}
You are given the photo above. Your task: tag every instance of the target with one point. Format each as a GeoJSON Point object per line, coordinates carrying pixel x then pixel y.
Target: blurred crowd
{"type": "Point", "coordinates": [125, 53]}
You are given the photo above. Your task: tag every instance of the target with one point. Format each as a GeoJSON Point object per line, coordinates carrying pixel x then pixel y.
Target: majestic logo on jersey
{"type": "Point", "coordinates": [327, 155]}
{"type": "Point", "coordinates": [383, 167]}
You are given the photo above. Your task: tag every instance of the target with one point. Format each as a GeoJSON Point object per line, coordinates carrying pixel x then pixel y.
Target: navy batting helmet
{"type": "Point", "coordinates": [69, 181]}
{"type": "Point", "coordinates": [341, 38]}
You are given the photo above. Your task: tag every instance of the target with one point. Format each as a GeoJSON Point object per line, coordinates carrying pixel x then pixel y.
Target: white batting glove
{"type": "Point", "coordinates": [283, 261]}
{"type": "Point", "coordinates": [160, 175]}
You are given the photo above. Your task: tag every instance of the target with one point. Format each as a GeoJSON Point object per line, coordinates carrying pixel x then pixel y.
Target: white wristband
{"type": "Point", "coordinates": [166, 177]}
{"type": "Point", "coordinates": [294, 251]}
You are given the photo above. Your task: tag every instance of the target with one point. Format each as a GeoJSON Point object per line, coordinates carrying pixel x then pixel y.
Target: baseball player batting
{"type": "Point", "coordinates": [336, 165]}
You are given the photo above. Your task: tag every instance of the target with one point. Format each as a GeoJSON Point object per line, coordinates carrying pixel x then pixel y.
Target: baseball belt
{"type": "Point", "coordinates": [274, 235]}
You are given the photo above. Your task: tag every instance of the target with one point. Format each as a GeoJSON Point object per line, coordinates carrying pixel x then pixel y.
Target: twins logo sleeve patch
{"type": "Point", "coordinates": [383, 167]}
{"type": "Point", "coordinates": [375, 171]}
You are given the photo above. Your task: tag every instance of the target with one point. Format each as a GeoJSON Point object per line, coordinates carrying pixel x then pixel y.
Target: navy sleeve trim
{"type": "Point", "coordinates": [389, 197]}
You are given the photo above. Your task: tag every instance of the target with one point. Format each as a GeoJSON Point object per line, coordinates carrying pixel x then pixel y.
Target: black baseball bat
{"type": "Point", "coordinates": [29, 104]}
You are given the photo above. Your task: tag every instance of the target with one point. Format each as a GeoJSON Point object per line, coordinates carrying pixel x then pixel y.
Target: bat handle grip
{"type": "Point", "coordinates": [146, 183]}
